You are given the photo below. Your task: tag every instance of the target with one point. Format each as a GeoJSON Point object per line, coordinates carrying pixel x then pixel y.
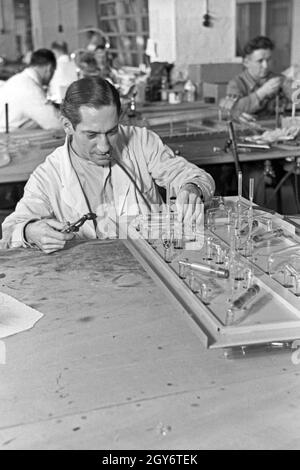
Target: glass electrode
{"type": "Point", "coordinates": [206, 269]}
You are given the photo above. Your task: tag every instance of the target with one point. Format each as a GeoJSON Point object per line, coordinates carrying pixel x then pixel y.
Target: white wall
{"type": "Point", "coordinates": [162, 29]}
{"type": "Point", "coordinates": [196, 43]}
{"type": "Point", "coordinates": [8, 39]}
{"type": "Point", "coordinates": [176, 27]}
{"type": "Point", "coordinates": [295, 53]}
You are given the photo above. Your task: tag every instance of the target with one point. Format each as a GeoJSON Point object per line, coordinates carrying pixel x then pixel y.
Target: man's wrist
{"type": "Point", "coordinates": [263, 92]}
{"type": "Point", "coordinates": [25, 236]}
{"type": "Point", "coordinates": [199, 189]}
{"type": "Point", "coordinates": [260, 95]}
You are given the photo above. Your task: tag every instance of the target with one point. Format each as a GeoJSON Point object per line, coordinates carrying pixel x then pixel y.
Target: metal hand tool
{"type": "Point", "coordinates": [74, 227]}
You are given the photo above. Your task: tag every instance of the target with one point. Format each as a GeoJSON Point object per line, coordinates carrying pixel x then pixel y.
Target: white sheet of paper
{"type": "Point", "coordinates": [2, 353]}
{"type": "Point", "coordinates": [15, 316]}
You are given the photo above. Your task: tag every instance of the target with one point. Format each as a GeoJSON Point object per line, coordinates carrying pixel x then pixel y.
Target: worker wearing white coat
{"type": "Point", "coordinates": [65, 72]}
{"type": "Point", "coordinates": [26, 95]}
{"type": "Point", "coordinates": [104, 168]}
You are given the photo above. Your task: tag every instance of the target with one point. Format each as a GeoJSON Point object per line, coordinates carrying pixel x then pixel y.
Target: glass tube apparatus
{"type": "Point", "coordinates": [241, 303]}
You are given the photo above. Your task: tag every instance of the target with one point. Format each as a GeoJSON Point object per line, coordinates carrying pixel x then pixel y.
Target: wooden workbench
{"type": "Point", "coordinates": [27, 150]}
{"type": "Point", "coordinates": [206, 149]}
{"type": "Point", "coordinates": [209, 150]}
{"type": "Point", "coordinates": [113, 364]}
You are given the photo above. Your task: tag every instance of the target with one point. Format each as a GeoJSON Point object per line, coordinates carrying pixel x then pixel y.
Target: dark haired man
{"type": "Point", "coordinates": [26, 95]}
{"type": "Point", "coordinates": [254, 90]}
{"type": "Point", "coordinates": [105, 168]}
{"type": "Point", "coordinates": [250, 95]}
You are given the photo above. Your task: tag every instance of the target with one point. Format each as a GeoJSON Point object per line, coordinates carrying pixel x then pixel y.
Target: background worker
{"type": "Point", "coordinates": [254, 94]}
{"type": "Point", "coordinates": [103, 62]}
{"type": "Point", "coordinates": [26, 95]}
{"type": "Point", "coordinates": [65, 72]}
{"type": "Point", "coordinates": [254, 90]}
{"type": "Point", "coordinates": [87, 65]}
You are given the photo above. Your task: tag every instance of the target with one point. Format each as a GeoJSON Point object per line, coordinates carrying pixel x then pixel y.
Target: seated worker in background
{"type": "Point", "coordinates": [251, 95]}
{"type": "Point", "coordinates": [65, 72]}
{"type": "Point", "coordinates": [26, 96]}
{"type": "Point", "coordinates": [93, 38]}
{"type": "Point", "coordinates": [87, 65]}
{"type": "Point", "coordinates": [103, 62]}
{"type": "Point", "coordinates": [254, 90]}
{"type": "Point", "coordinates": [105, 168]}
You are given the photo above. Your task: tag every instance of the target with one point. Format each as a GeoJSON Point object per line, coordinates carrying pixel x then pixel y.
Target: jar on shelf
{"type": "Point", "coordinates": [164, 88]}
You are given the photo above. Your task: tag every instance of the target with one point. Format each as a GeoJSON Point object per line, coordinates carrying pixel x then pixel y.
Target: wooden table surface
{"type": "Point", "coordinates": [209, 150]}
{"type": "Point", "coordinates": [22, 165]}
{"type": "Point", "coordinates": [114, 364]}
{"type": "Point", "coordinates": [28, 150]}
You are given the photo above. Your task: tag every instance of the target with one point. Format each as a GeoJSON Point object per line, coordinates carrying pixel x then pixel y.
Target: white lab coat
{"type": "Point", "coordinates": [53, 189]}
{"type": "Point", "coordinates": [65, 73]}
{"type": "Point", "coordinates": [27, 106]}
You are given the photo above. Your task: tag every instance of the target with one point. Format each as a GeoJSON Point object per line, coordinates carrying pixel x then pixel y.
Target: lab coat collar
{"type": "Point", "coordinates": [72, 193]}
{"type": "Point", "coordinates": [32, 73]}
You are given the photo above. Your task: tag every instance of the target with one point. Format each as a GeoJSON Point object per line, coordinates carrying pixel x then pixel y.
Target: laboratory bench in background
{"type": "Point", "coordinates": [193, 130]}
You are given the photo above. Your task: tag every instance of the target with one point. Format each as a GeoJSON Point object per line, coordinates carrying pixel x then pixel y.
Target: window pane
{"type": "Point", "coordinates": [255, 15]}
{"type": "Point", "coordinates": [113, 42]}
{"type": "Point", "coordinates": [129, 42]}
{"type": "Point", "coordinates": [109, 26]}
{"type": "Point", "coordinates": [145, 23]}
{"type": "Point", "coordinates": [134, 60]}
{"type": "Point", "coordinates": [280, 16]}
{"type": "Point", "coordinates": [144, 7]}
{"type": "Point", "coordinates": [247, 23]}
{"type": "Point", "coordinates": [130, 25]}
{"type": "Point", "coordinates": [126, 24]}
{"type": "Point", "coordinates": [126, 7]}
{"type": "Point", "coordinates": [107, 9]}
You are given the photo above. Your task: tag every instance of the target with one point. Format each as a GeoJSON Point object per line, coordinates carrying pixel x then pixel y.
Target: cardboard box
{"type": "Point", "coordinates": [212, 73]}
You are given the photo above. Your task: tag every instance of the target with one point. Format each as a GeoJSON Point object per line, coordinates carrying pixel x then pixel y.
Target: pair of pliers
{"type": "Point", "coordinates": [74, 227]}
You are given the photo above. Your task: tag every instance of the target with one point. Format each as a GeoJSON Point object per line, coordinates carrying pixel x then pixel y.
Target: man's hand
{"type": "Point", "coordinates": [249, 121]}
{"type": "Point", "coordinates": [227, 103]}
{"type": "Point", "coordinates": [246, 118]}
{"type": "Point", "coordinates": [46, 235]}
{"type": "Point", "coordinates": [189, 204]}
{"type": "Point", "coordinates": [271, 87]}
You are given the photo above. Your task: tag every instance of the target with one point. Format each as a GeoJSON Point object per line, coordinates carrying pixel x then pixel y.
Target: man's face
{"type": "Point", "coordinates": [96, 135]}
{"type": "Point", "coordinates": [259, 63]}
{"type": "Point", "coordinates": [101, 58]}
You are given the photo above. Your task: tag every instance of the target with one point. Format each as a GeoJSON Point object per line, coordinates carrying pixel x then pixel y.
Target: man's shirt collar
{"type": "Point", "coordinates": [253, 84]}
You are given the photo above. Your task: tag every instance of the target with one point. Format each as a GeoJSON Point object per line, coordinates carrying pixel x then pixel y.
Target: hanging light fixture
{"type": "Point", "coordinates": [206, 16]}
{"type": "Point", "coordinates": [60, 26]}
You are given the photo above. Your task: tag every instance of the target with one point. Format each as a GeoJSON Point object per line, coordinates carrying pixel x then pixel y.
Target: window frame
{"type": "Point", "coordinates": [263, 19]}
{"type": "Point", "coordinates": [126, 53]}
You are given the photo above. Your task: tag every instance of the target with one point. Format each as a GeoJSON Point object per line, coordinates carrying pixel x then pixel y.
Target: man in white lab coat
{"type": "Point", "coordinates": [105, 168]}
{"type": "Point", "coordinates": [25, 93]}
{"type": "Point", "coordinates": [65, 72]}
